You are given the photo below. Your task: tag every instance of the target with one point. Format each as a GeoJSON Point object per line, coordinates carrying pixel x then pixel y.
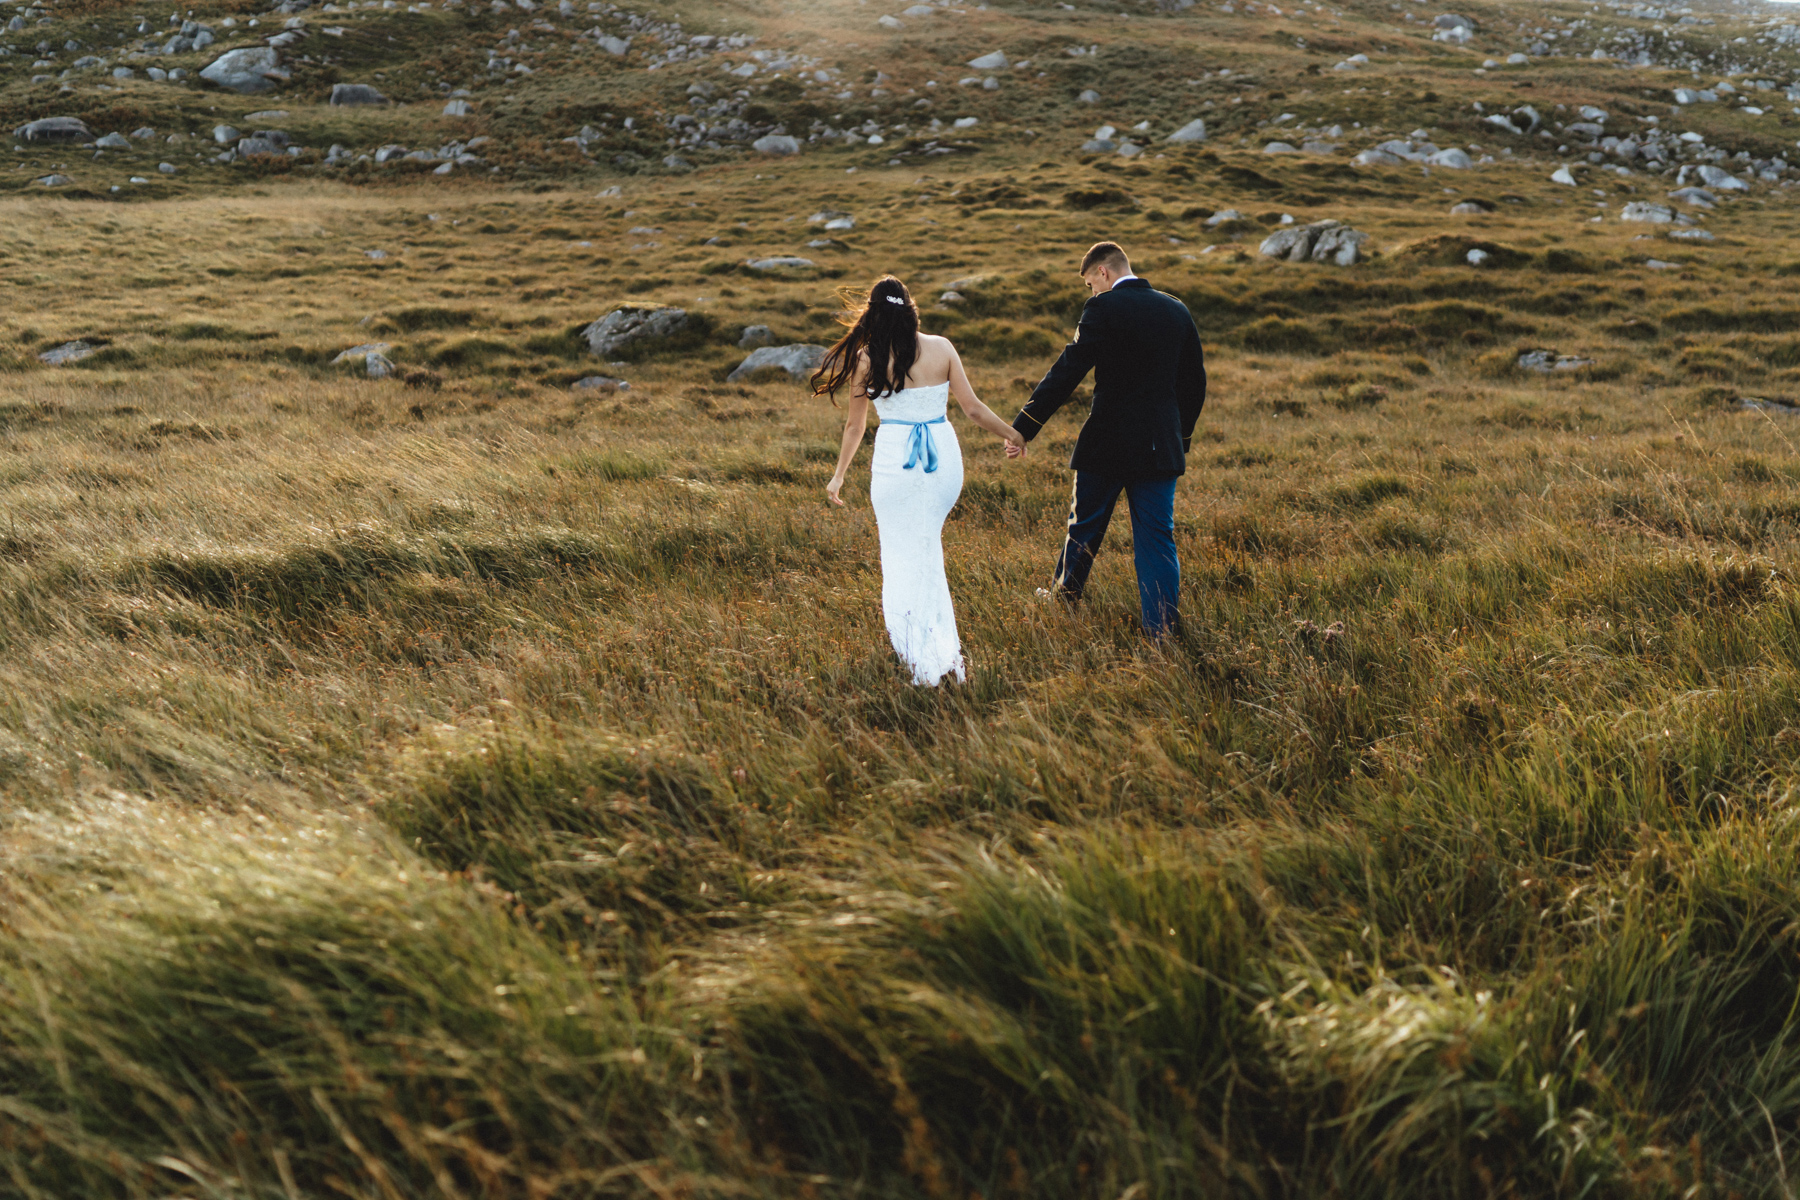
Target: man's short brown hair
{"type": "Point", "coordinates": [1108, 254]}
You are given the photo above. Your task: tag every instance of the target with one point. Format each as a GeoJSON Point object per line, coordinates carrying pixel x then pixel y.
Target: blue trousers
{"type": "Point", "coordinates": [1152, 503]}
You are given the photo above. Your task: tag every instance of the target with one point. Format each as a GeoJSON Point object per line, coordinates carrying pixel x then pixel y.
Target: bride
{"type": "Point", "coordinates": [916, 471]}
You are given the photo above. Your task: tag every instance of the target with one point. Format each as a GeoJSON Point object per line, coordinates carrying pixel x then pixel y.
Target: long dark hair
{"type": "Point", "coordinates": [885, 326]}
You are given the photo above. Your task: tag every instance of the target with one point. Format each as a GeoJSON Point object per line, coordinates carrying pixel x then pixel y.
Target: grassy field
{"type": "Point", "coordinates": [460, 785]}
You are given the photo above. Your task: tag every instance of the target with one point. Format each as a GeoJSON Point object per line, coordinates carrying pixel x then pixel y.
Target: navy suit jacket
{"type": "Point", "coordinates": [1149, 383]}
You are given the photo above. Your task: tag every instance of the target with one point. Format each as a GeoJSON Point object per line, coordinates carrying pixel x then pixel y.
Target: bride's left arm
{"type": "Point", "coordinates": [972, 406]}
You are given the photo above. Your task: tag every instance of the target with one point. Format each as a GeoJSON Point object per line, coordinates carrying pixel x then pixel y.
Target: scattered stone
{"type": "Point", "coordinates": [887, 22]}
{"type": "Point", "coordinates": [113, 141]}
{"type": "Point", "coordinates": [1476, 256]}
{"type": "Point", "coordinates": [1452, 158]}
{"type": "Point", "coordinates": [1318, 148]}
{"type": "Point", "coordinates": [166, 168]}
{"type": "Point", "coordinates": [1691, 235]}
{"type": "Point", "coordinates": [1516, 60]}
{"type": "Point", "coordinates": [1647, 211]}
{"type": "Point", "coordinates": [1564, 176]}
{"type": "Point", "coordinates": [456, 108]}
{"type": "Point", "coordinates": [1280, 148]}
{"type": "Point", "coordinates": [618, 47]}
{"type": "Point", "coordinates": [53, 180]}
{"type": "Point", "coordinates": [1698, 197]}
{"type": "Point", "coordinates": [226, 135]}
{"type": "Point", "coordinates": [628, 326]}
{"type": "Point", "coordinates": [1469, 208]}
{"type": "Point", "coordinates": [54, 129]}
{"type": "Point", "coordinates": [756, 335]}
{"type": "Point", "coordinates": [1193, 131]}
{"type": "Point", "coordinates": [1756, 404]}
{"type": "Point", "coordinates": [362, 351]}
{"type": "Point", "coordinates": [248, 70]}
{"type": "Point", "coordinates": [599, 383]}
{"type": "Point", "coordinates": [673, 162]}
{"type": "Point", "coordinates": [1657, 264]}
{"type": "Point", "coordinates": [378, 365]}
{"type": "Point", "coordinates": [1376, 158]}
{"type": "Point", "coordinates": [776, 143]}
{"type": "Point", "coordinates": [349, 94]}
{"type": "Point", "coordinates": [1722, 179]}
{"type": "Point", "coordinates": [1546, 361]}
{"type": "Point", "coordinates": [1453, 21]}
{"type": "Point", "coordinates": [1224, 215]}
{"type": "Point", "coordinates": [68, 352]}
{"type": "Point", "coordinates": [1320, 242]}
{"type": "Point", "coordinates": [143, 132]}
{"type": "Point", "coordinates": [965, 122]}
{"type": "Point", "coordinates": [798, 360]}
{"type": "Point", "coordinates": [995, 61]}
{"type": "Point", "coordinates": [778, 262]}
{"type": "Point", "coordinates": [1089, 96]}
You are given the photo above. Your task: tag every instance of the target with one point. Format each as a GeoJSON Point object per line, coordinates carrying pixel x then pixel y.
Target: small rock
{"type": "Point", "coordinates": [1452, 21]}
{"type": "Point", "coordinates": [1224, 215]}
{"type": "Point", "coordinates": [1320, 242]}
{"type": "Point", "coordinates": [756, 335]}
{"type": "Point", "coordinates": [628, 326]}
{"type": "Point", "coordinates": [798, 360]}
{"type": "Point", "coordinates": [1376, 158]}
{"type": "Point", "coordinates": [675, 162]}
{"type": "Point", "coordinates": [54, 129]}
{"type": "Point", "coordinates": [951, 298]}
{"type": "Point", "coordinates": [1564, 176]}
{"type": "Point", "coordinates": [142, 132]}
{"type": "Point", "coordinates": [778, 262]}
{"type": "Point", "coordinates": [1193, 131]}
{"type": "Point", "coordinates": [887, 22]}
{"type": "Point", "coordinates": [995, 61]}
{"type": "Point", "coordinates": [378, 365]}
{"type": "Point", "coordinates": [1468, 208]}
{"type": "Point", "coordinates": [375, 255]}
{"type": "Point", "coordinates": [247, 70]}
{"type": "Point", "coordinates": [1691, 235]}
{"type": "Point", "coordinates": [362, 351]}
{"type": "Point", "coordinates": [1724, 180]}
{"type": "Point", "coordinates": [456, 108]}
{"type": "Point", "coordinates": [1280, 148]}
{"type": "Point", "coordinates": [114, 141]}
{"type": "Point", "coordinates": [1089, 96]}
{"type": "Point", "coordinates": [618, 48]}
{"type": "Point", "coordinates": [776, 143]}
{"type": "Point", "coordinates": [1647, 211]}
{"type": "Point", "coordinates": [1698, 197]}
{"type": "Point", "coordinates": [166, 168]}
{"type": "Point", "coordinates": [1545, 361]}
{"type": "Point", "coordinates": [1657, 264]}
{"type": "Point", "coordinates": [68, 352]}
{"type": "Point", "coordinates": [53, 180]}
{"type": "Point", "coordinates": [599, 383]}
{"type": "Point", "coordinates": [226, 135]}
{"type": "Point", "coordinates": [1516, 60]}
{"type": "Point", "coordinates": [1451, 158]}
{"type": "Point", "coordinates": [1476, 256]}
{"type": "Point", "coordinates": [351, 94]}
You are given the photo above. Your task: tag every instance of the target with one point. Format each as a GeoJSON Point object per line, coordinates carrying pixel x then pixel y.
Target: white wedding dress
{"type": "Point", "coordinates": [915, 476]}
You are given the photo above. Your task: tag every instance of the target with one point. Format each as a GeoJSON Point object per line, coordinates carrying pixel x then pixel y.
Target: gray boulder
{"type": "Point", "coordinates": [378, 365]}
{"type": "Point", "coordinates": [114, 141]}
{"type": "Point", "coordinates": [1320, 242]}
{"type": "Point", "coordinates": [1193, 131]}
{"type": "Point", "coordinates": [225, 135]}
{"type": "Point", "coordinates": [1725, 181]}
{"type": "Point", "coordinates": [54, 129]}
{"type": "Point", "coordinates": [1696, 196]}
{"type": "Point", "coordinates": [995, 61]}
{"type": "Point", "coordinates": [756, 335]}
{"type": "Point", "coordinates": [53, 180]}
{"type": "Point", "coordinates": [599, 383]}
{"type": "Point", "coordinates": [778, 262]}
{"type": "Point", "coordinates": [1453, 158]}
{"type": "Point", "coordinates": [343, 94]}
{"type": "Point", "coordinates": [798, 360]}
{"type": "Point", "coordinates": [249, 146]}
{"type": "Point", "coordinates": [629, 326]}
{"type": "Point", "coordinates": [246, 70]}
{"type": "Point", "coordinates": [1452, 21]}
{"type": "Point", "coordinates": [1648, 211]}
{"type": "Point", "coordinates": [68, 352]}
{"type": "Point", "coordinates": [776, 143]}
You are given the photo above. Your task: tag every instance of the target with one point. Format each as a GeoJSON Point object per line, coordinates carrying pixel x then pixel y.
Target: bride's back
{"type": "Point", "coordinates": [932, 366]}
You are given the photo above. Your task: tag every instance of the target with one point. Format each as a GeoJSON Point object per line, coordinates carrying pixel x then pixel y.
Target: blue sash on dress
{"type": "Point", "coordinates": [920, 445]}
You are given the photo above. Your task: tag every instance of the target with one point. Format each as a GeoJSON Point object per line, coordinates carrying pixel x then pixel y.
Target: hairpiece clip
{"type": "Point", "coordinates": [893, 300]}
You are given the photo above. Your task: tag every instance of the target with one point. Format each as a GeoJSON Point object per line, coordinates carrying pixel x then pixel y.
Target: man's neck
{"type": "Point", "coordinates": [1121, 279]}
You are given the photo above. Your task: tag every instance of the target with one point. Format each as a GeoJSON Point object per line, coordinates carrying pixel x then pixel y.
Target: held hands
{"type": "Point", "coordinates": [1015, 444]}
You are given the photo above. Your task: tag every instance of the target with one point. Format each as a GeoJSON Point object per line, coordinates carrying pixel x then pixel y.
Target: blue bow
{"type": "Point", "coordinates": [920, 445]}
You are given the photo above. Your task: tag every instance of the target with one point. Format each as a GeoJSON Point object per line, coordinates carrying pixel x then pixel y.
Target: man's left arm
{"type": "Point", "coordinates": [1191, 384]}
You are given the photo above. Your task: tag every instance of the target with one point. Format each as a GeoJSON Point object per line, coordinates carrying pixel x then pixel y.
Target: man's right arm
{"type": "Point", "coordinates": [1054, 390]}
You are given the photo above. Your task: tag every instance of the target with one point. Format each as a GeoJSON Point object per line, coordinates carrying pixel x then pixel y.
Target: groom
{"type": "Point", "coordinates": [1149, 386]}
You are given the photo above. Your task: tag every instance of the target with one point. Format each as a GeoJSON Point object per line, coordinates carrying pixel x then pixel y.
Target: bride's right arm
{"type": "Point", "coordinates": [856, 418]}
